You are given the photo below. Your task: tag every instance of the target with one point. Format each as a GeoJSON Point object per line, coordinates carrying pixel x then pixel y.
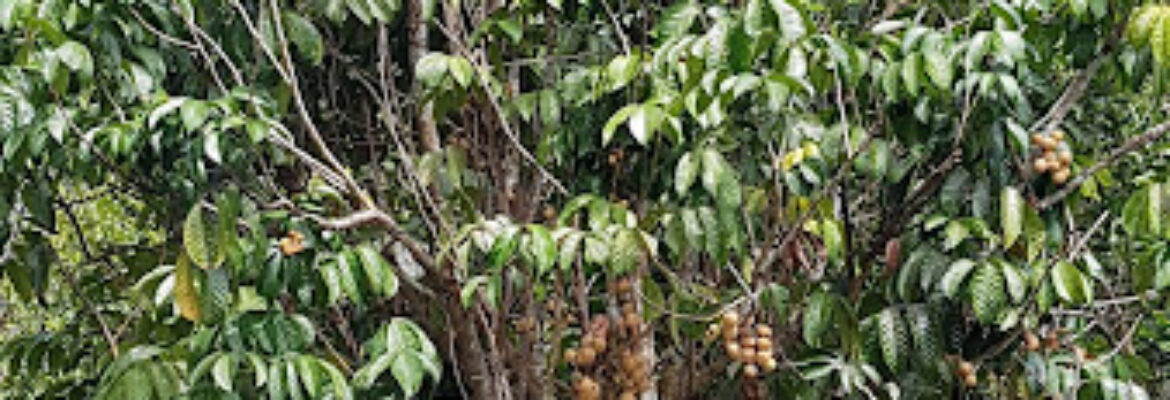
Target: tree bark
{"type": "Point", "coordinates": [424, 120]}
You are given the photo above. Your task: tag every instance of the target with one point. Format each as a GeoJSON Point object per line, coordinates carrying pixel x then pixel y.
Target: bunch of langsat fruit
{"type": "Point", "coordinates": [1054, 155]}
{"type": "Point", "coordinates": [625, 361]}
{"type": "Point", "coordinates": [751, 347]}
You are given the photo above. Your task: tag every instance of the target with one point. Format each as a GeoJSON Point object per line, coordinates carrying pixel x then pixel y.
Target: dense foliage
{"type": "Point", "coordinates": [587, 199]}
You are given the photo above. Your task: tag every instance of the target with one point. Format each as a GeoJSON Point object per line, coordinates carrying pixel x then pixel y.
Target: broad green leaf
{"type": "Point", "coordinates": [953, 280]}
{"type": "Point", "coordinates": [461, 70]}
{"type": "Point", "coordinates": [625, 251]}
{"type": "Point", "coordinates": [895, 340]}
{"type": "Point", "coordinates": [77, 57]}
{"type": "Point", "coordinates": [987, 292]}
{"type": "Point", "coordinates": [542, 247]}
{"type": "Point", "coordinates": [223, 371]}
{"type": "Point", "coordinates": [685, 173]}
{"type": "Point", "coordinates": [818, 316]}
{"type": "Point", "coordinates": [1016, 286]}
{"type": "Point", "coordinates": [163, 110]}
{"type": "Point", "coordinates": [194, 114]}
{"type": "Point", "coordinates": [198, 239]}
{"type": "Point", "coordinates": [791, 20]}
{"type": "Point", "coordinates": [378, 272]}
{"type": "Point", "coordinates": [616, 121]}
{"type": "Point", "coordinates": [408, 372]}
{"type": "Point", "coordinates": [1069, 283]}
{"type": "Point", "coordinates": [348, 273]}
{"type": "Point", "coordinates": [956, 232]}
{"type": "Point", "coordinates": [302, 33]}
{"type": "Point", "coordinates": [644, 121]}
{"type": "Point", "coordinates": [431, 69]}
{"type": "Point", "coordinates": [1011, 215]}
{"type": "Point", "coordinates": [503, 248]}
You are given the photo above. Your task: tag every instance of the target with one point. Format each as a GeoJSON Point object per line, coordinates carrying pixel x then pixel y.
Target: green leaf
{"type": "Point", "coordinates": [570, 249]}
{"type": "Point", "coordinates": [1160, 41]}
{"type": "Point", "coordinates": [223, 372]}
{"type": "Point", "coordinates": [77, 57]}
{"type": "Point", "coordinates": [431, 69]}
{"type": "Point", "coordinates": [332, 279]}
{"type": "Point", "coordinates": [644, 121]}
{"type": "Point", "coordinates": [348, 274]}
{"type": "Point", "coordinates": [378, 272]}
{"type": "Point", "coordinates": [302, 33]}
{"type": "Point", "coordinates": [1016, 286]}
{"type": "Point", "coordinates": [408, 371]}
{"type": "Point", "coordinates": [194, 114]}
{"type": "Point", "coordinates": [461, 70]}
{"type": "Point", "coordinates": [685, 173]}
{"type": "Point", "coordinates": [791, 20]}
{"type": "Point", "coordinates": [818, 316]}
{"type": "Point", "coordinates": [163, 110]}
{"type": "Point", "coordinates": [211, 146]}
{"type": "Point", "coordinates": [1011, 215]}
{"type": "Point", "coordinates": [1069, 283]}
{"type": "Point", "coordinates": [894, 339]}
{"type": "Point", "coordinates": [542, 247]}
{"type": "Point", "coordinates": [625, 252]}
{"type": "Point", "coordinates": [955, 233]}
{"type": "Point", "coordinates": [503, 248]}
{"type": "Point", "coordinates": [621, 70]}
{"type": "Point", "coordinates": [987, 292]}
{"type": "Point", "coordinates": [198, 239]}
{"type": "Point", "coordinates": [615, 121]}
{"type": "Point", "coordinates": [467, 293]}
{"type": "Point", "coordinates": [511, 28]}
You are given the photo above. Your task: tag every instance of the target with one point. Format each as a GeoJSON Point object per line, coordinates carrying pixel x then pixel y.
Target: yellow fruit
{"type": "Point", "coordinates": [1065, 157]}
{"type": "Point", "coordinates": [624, 285]}
{"type": "Point", "coordinates": [1040, 166]}
{"type": "Point", "coordinates": [762, 357]}
{"type": "Point", "coordinates": [629, 396]}
{"type": "Point", "coordinates": [1031, 342]}
{"type": "Point", "coordinates": [966, 368]}
{"type": "Point", "coordinates": [733, 350]}
{"type": "Point", "coordinates": [747, 355]}
{"type": "Point", "coordinates": [571, 356]}
{"type": "Point", "coordinates": [712, 332]}
{"type": "Point", "coordinates": [1060, 176]}
{"type": "Point", "coordinates": [764, 344]}
{"type": "Point", "coordinates": [730, 334]}
{"type": "Point", "coordinates": [1050, 158]}
{"type": "Point", "coordinates": [588, 389]}
{"type": "Point", "coordinates": [971, 380]}
{"type": "Point", "coordinates": [730, 319]}
{"type": "Point", "coordinates": [1037, 139]}
{"type": "Point", "coordinates": [1057, 135]}
{"type": "Point", "coordinates": [586, 356]}
{"type": "Point", "coordinates": [598, 345]}
{"type": "Point", "coordinates": [629, 364]}
{"type": "Point", "coordinates": [769, 364]}
{"type": "Point", "coordinates": [751, 371]}
{"type": "Point", "coordinates": [764, 330]}
{"type": "Point", "coordinates": [748, 342]}
{"type": "Point", "coordinates": [1047, 144]}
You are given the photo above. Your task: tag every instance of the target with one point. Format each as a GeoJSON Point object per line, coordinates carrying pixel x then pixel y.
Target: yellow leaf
{"type": "Point", "coordinates": [185, 296]}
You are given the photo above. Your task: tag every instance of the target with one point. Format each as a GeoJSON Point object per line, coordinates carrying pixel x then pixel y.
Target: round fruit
{"type": "Point", "coordinates": [764, 344]}
{"type": "Point", "coordinates": [629, 364]}
{"type": "Point", "coordinates": [624, 285]}
{"type": "Point", "coordinates": [733, 350]}
{"type": "Point", "coordinates": [629, 396]}
{"type": "Point", "coordinates": [712, 332]}
{"type": "Point", "coordinates": [586, 356]}
{"type": "Point", "coordinates": [764, 330]}
{"type": "Point", "coordinates": [751, 371]}
{"type": "Point", "coordinates": [1040, 165]}
{"type": "Point", "coordinates": [629, 308]}
{"type": "Point", "coordinates": [1048, 143]}
{"type": "Point", "coordinates": [1057, 134]}
{"type": "Point", "coordinates": [762, 357]}
{"type": "Point", "coordinates": [748, 342]}
{"type": "Point", "coordinates": [571, 356]}
{"type": "Point", "coordinates": [971, 380]}
{"type": "Point", "coordinates": [1065, 157]}
{"type": "Point", "coordinates": [966, 368]}
{"type": "Point", "coordinates": [747, 355]}
{"type": "Point", "coordinates": [1050, 158]}
{"type": "Point", "coordinates": [598, 345]}
{"type": "Point", "coordinates": [730, 334]}
{"type": "Point", "coordinates": [1037, 139]}
{"type": "Point", "coordinates": [1060, 176]}
{"type": "Point", "coordinates": [587, 388]}
{"type": "Point", "coordinates": [1031, 342]}
{"type": "Point", "coordinates": [730, 319]}
{"type": "Point", "coordinates": [769, 364]}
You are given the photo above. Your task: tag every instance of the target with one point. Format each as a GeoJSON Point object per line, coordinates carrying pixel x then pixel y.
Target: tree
{"type": "Point", "coordinates": [366, 198]}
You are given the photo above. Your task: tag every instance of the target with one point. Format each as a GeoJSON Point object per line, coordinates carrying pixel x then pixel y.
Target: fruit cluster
{"type": "Point", "coordinates": [1054, 156]}
{"type": "Point", "coordinates": [752, 347]}
{"type": "Point", "coordinates": [630, 368]}
{"type": "Point", "coordinates": [966, 372]}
